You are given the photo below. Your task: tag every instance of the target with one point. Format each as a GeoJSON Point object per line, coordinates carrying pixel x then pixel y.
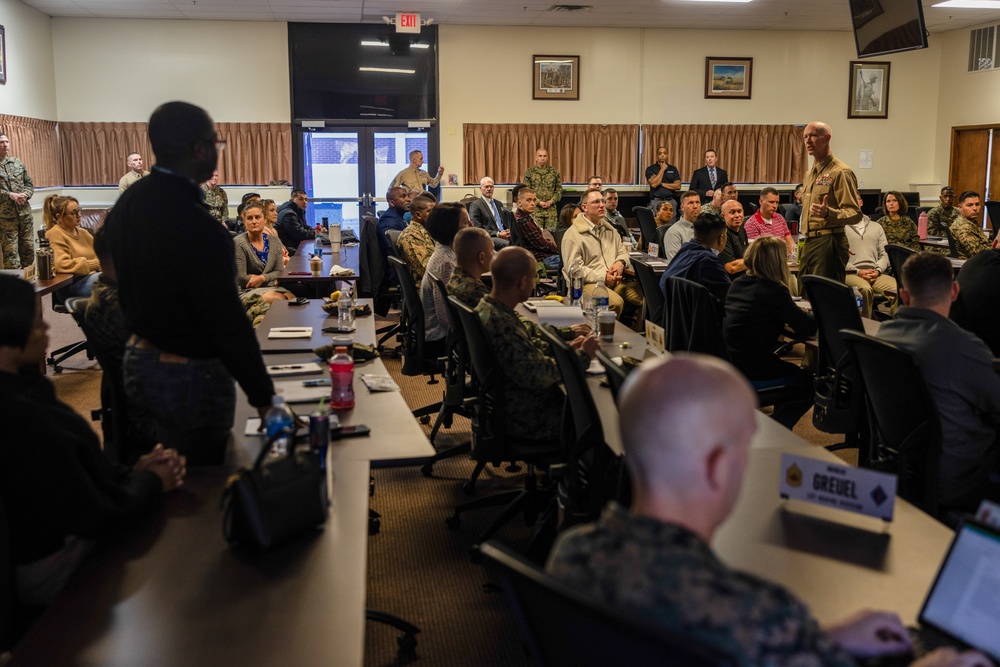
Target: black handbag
{"type": "Point", "coordinates": [275, 501]}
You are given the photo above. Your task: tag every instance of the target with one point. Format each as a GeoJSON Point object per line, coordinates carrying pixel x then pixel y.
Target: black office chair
{"type": "Point", "coordinates": [652, 296]}
{"type": "Point", "coordinates": [616, 373]}
{"type": "Point", "coordinates": [840, 395]}
{"type": "Point", "coordinates": [952, 248]}
{"type": "Point", "coordinates": [588, 476]}
{"type": "Point", "coordinates": [57, 357]}
{"type": "Point", "coordinates": [490, 441]}
{"type": "Point", "coordinates": [897, 257]}
{"type": "Point", "coordinates": [905, 419]}
{"type": "Point", "coordinates": [647, 225]}
{"type": "Point", "coordinates": [993, 211]}
{"type": "Point", "coordinates": [373, 278]}
{"type": "Point", "coordinates": [562, 626]}
{"type": "Point", "coordinates": [458, 394]}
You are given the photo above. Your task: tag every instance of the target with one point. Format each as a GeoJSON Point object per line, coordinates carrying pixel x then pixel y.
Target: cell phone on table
{"type": "Point", "coordinates": [353, 431]}
{"type": "Point", "coordinates": [301, 301]}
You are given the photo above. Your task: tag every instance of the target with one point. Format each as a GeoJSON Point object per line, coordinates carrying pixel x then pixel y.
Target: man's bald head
{"type": "Point", "coordinates": [470, 243]}
{"type": "Point", "coordinates": [686, 423]}
{"type": "Point", "coordinates": [183, 139]}
{"type": "Point", "coordinates": [732, 214]}
{"type": "Point", "coordinates": [817, 139]}
{"type": "Point", "coordinates": [510, 265]}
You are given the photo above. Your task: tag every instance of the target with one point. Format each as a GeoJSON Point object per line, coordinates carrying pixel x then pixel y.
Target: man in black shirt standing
{"type": "Point", "coordinates": [664, 181]}
{"type": "Point", "coordinates": [177, 286]}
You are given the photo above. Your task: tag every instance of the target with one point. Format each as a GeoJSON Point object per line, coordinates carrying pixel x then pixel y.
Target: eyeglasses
{"type": "Point", "coordinates": [77, 213]}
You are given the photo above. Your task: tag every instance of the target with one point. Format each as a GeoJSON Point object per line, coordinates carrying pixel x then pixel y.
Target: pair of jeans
{"type": "Point", "coordinates": [191, 401]}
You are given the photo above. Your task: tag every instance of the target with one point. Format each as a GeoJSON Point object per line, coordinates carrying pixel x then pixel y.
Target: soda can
{"type": "Point", "coordinates": [319, 431]}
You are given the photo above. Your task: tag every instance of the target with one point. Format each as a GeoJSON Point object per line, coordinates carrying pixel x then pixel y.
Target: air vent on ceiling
{"type": "Point", "coordinates": [983, 49]}
{"type": "Point", "coordinates": [570, 8]}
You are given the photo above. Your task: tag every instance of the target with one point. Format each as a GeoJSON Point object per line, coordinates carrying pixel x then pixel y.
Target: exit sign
{"type": "Point", "coordinates": [408, 22]}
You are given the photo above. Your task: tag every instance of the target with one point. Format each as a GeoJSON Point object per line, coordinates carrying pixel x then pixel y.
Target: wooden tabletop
{"type": "Point", "coordinates": [43, 287]}
{"type": "Point", "coordinates": [298, 271]}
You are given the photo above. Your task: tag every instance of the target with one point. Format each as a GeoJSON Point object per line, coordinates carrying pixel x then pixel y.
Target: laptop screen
{"type": "Point", "coordinates": [964, 601]}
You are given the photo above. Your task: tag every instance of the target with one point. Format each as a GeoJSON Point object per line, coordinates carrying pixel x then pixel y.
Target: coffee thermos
{"type": "Point", "coordinates": [45, 265]}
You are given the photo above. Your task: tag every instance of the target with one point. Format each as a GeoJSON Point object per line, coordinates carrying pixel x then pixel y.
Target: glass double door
{"type": "Point", "coordinates": [347, 170]}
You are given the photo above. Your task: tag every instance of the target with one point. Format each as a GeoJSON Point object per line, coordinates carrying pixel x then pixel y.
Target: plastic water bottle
{"type": "Point", "coordinates": [599, 303]}
{"type": "Point", "coordinates": [277, 418]}
{"type": "Point", "coordinates": [922, 225]}
{"type": "Point", "coordinates": [341, 380]}
{"type": "Point", "coordinates": [317, 243]}
{"type": "Point", "coordinates": [345, 311]}
{"type": "Point", "coordinates": [858, 299]}
{"type": "Point", "coordinates": [576, 283]}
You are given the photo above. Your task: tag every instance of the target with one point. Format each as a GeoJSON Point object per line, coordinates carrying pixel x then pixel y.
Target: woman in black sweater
{"type": "Point", "coordinates": [59, 490]}
{"type": "Point", "coordinates": [758, 307]}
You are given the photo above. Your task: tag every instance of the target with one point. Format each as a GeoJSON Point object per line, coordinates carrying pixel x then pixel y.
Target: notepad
{"type": "Point", "coordinates": [295, 391]}
{"type": "Point", "coordinates": [290, 332]}
{"type": "Point", "coordinates": [566, 316]}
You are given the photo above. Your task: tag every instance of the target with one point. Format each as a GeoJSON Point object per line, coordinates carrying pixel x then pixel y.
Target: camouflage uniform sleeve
{"type": "Point", "coordinates": [29, 185]}
{"type": "Point", "coordinates": [969, 240]}
{"type": "Point", "coordinates": [556, 186]}
{"type": "Point", "coordinates": [934, 226]}
{"type": "Point", "coordinates": [525, 365]}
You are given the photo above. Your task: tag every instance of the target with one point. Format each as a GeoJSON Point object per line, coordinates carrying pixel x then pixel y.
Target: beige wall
{"type": "Point", "coordinates": [120, 70]}
{"type": "Point", "coordinates": [657, 76]}
{"type": "Point", "coordinates": [30, 89]}
{"type": "Point", "coordinates": [965, 98]}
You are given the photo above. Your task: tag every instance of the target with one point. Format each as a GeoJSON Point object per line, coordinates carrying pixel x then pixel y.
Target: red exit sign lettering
{"type": "Point", "coordinates": [407, 22]}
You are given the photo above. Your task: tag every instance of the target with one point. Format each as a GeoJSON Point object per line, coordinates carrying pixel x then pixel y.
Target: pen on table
{"type": "Point", "coordinates": [284, 368]}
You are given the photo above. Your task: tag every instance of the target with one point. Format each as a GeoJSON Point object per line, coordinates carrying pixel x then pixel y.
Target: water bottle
{"type": "Point", "coordinates": [277, 418]}
{"type": "Point", "coordinates": [858, 299]}
{"type": "Point", "coordinates": [44, 261]}
{"type": "Point", "coordinates": [922, 225]}
{"type": "Point", "coordinates": [576, 283]}
{"type": "Point", "coordinates": [341, 380]}
{"type": "Point", "coordinates": [599, 303]}
{"type": "Point", "coordinates": [318, 243]}
{"type": "Point", "coordinates": [345, 311]}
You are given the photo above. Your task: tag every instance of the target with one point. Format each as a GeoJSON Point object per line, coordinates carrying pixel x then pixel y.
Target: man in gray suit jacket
{"type": "Point", "coordinates": [487, 213]}
{"type": "Point", "coordinates": [702, 180]}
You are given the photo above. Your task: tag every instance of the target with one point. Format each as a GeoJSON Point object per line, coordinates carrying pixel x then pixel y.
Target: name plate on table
{"type": "Point", "coordinates": [656, 337]}
{"type": "Point", "coordinates": [838, 486]}
{"type": "Point", "coordinates": [653, 249]}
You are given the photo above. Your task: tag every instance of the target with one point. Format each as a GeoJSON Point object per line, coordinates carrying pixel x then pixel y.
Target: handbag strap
{"type": "Point", "coordinates": [266, 447]}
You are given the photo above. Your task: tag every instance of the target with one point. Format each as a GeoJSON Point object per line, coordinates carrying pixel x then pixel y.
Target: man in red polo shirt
{"type": "Point", "coordinates": [768, 222]}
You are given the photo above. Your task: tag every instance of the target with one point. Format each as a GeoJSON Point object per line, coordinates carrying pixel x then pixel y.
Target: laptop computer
{"type": "Point", "coordinates": [962, 609]}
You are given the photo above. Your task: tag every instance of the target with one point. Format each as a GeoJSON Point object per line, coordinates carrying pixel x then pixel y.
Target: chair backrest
{"type": "Point", "coordinates": [457, 354]}
{"type": "Point", "coordinates": [562, 626]}
{"type": "Point", "coordinates": [411, 320]}
{"type": "Point", "coordinates": [834, 308]}
{"type": "Point", "coordinates": [993, 211]}
{"type": "Point", "coordinates": [515, 236]}
{"type": "Point", "coordinates": [647, 225]}
{"type": "Point", "coordinates": [897, 257]}
{"type": "Point", "coordinates": [905, 416]}
{"type": "Point", "coordinates": [616, 373]}
{"type": "Point", "coordinates": [393, 236]}
{"type": "Point", "coordinates": [952, 248]}
{"type": "Point", "coordinates": [591, 474]}
{"type": "Point", "coordinates": [371, 261]}
{"type": "Point", "coordinates": [7, 604]}
{"type": "Point", "coordinates": [488, 417]}
{"type": "Point", "coordinates": [652, 296]}
{"type": "Point", "coordinates": [693, 321]}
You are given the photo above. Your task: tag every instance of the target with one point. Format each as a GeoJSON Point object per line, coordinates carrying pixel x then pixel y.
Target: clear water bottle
{"type": "Point", "coordinates": [922, 225]}
{"type": "Point", "coordinates": [317, 243]}
{"type": "Point", "coordinates": [858, 299]}
{"type": "Point", "coordinates": [341, 380]}
{"type": "Point", "coordinates": [345, 311]}
{"type": "Point", "coordinates": [599, 303]}
{"type": "Point", "coordinates": [576, 283]}
{"type": "Point", "coordinates": [279, 417]}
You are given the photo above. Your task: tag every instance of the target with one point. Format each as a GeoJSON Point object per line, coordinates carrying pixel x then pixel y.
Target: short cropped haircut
{"type": "Point", "coordinates": [421, 203]}
{"type": "Point", "coordinates": [928, 277]}
{"type": "Point", "coordinates": [903, 206]}
{"type": "Point", "coordinates": [726, 185]}
{"type": "Point", "coordinates": [522, 190]}
{"type": "Point", "coordinates": [708, 227]}
{"type": "Point", "coordinates": [968, 194]}
{"type": "Point", "coordinates": [296, 191]}
{"type": "Point", "coordinates": [250, 195]}
{"type": "Point", "coordinates": [947, 188]}
{"type": "Point", "coordinates": [609, 191]}
{"type": "Point", "coordinates": [414, 152]}
{"type": "Point", "coordinates": [510, 265]}
{"type": "Point", "coordinates": [17, 311]}
{"type": "Point", "coordinates": [469, 242]}
{"type": "Point", "coordinates": [689, 194]}
{"type": "Point", "coordinates": [176, 127]}
{"type": "Point", "coordinates": [424, 194]}
{"type": "Point", "coordinates": [395, 192]}
{"type": "Point", "coordinates": [442, 223]}
{"type": "Point", "coordinates": [768, 190]}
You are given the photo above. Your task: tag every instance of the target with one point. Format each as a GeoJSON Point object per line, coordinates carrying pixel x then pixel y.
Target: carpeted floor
{"type": "Point", "coordinates": [418, 569]}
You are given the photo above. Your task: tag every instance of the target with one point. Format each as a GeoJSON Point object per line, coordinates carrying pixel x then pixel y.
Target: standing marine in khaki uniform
{"type": "Point", "coordinates": [17, 240]}
{"type": "Point", "coordinates": [829, 202]}
{"type": "Point", "coordinates": [547, 184]}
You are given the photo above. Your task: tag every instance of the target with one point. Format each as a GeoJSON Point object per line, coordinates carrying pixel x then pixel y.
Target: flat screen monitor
{"type": "Point", "coordinates": [888, 26]}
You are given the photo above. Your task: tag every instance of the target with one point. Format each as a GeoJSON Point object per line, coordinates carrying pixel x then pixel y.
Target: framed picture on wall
{"type": "Point", "coordinates": [555, 78]}
{"type": "Point", "coordinates": [728, 78]}
{"type": "Point", "coordinates": [3, 55]}
{"type": "Point", "coordinates": [869, 93]}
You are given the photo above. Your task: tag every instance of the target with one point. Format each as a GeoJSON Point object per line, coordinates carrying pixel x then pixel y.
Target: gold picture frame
{"type": "Point", "coordinates": [555, 78]}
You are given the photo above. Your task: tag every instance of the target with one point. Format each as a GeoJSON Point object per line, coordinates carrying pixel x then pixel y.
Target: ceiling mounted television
{"type": "Point", "coordinates": [887, 26]}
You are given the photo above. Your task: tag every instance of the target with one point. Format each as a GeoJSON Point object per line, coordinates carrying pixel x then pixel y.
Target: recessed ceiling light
{"type": "Point", "coordinates": [970, 4]}
{"type": "Point", "coordinates": [387, 70]}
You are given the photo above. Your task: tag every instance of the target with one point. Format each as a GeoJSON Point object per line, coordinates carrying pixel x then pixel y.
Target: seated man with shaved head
{"type": "Point", "coordinates": [473, 257]}
{"type": "Point", "coordinates": [686, 459]}
{"type": "Point", "coordinates": [534, 401]}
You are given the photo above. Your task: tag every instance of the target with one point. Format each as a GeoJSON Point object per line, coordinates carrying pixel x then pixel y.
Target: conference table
{"type": "Point", "coordinates": [297, 271]}
{"type": "Point", "coordinates": [836, 562]}
{"type": "Point", "coordinates": [935, 242]}
{"type": "Point", "coordinates": [170, 591]}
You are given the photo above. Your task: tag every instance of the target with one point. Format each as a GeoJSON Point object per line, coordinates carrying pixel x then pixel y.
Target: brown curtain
{"type": "Point", "coordinates": [504, 151]}
{"type": "Point", "coordinates": [94, 153]}
{"type": "Point", "coordinates": [748, 153]}
{"type": "Point", "coordinates": [35, 143]}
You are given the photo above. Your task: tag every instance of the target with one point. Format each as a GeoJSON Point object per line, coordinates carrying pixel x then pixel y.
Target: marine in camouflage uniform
{"type": "Point", "coordinates": [546, 183]}
{"type": "Point", "coordinates": [465, 288]}
{"type": "Point", "coordinates": [969, 238]}
{"type": "Point", "coordinates": [17, 240]}
{"type": "Point", "coordinates": [901, 231]}
{"type": "Point", "coordinates": [217, 201]}
{"type": "Point", "coordinates": [666, 573]}
{"type": "Point", "coordinates": [940, 218]}
{"type": "Point", "coordinates": [534, 401]}
{"type": "Point", "coordinates": [416, 246]}
{"type": "Point", "coordinates": [256, 308]}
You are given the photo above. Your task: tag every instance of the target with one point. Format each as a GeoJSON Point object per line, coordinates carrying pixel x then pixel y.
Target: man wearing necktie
{"type": "Point", "coordinates": [705, 180]}
{"type": "Point", "coordinates": [487, 213]}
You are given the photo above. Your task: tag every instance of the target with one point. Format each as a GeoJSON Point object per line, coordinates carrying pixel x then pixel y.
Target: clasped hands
{"type": "Point", "coordinates": [869, 275]}
{"type": "Point", "coordinates": [256, 280]}
{"type": "Point", "coordinates": [166, 464]}
{"type": "Point", "coordinates": [615, 275]}
{"type": "Point", "coordinates": [18, 197]}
